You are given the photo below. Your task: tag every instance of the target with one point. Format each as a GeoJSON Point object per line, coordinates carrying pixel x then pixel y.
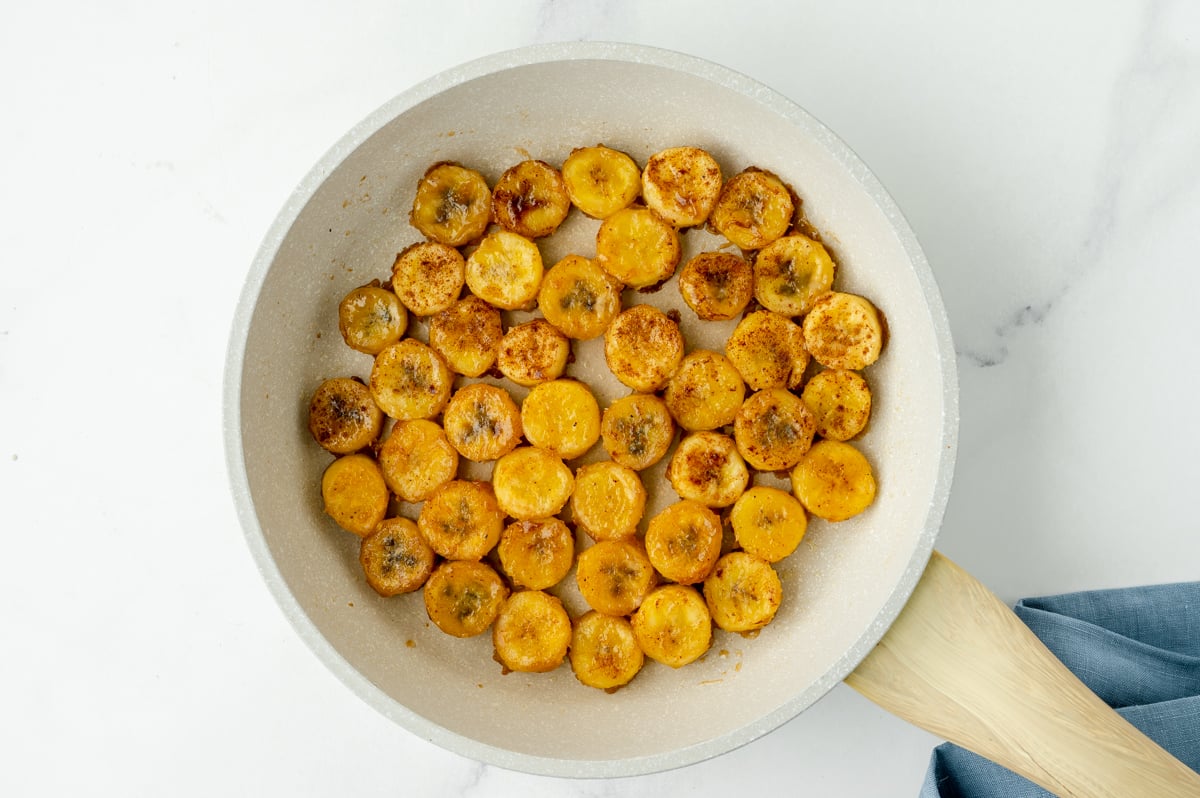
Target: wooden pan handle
{"type": "Point", "coordinates": [960, 664]}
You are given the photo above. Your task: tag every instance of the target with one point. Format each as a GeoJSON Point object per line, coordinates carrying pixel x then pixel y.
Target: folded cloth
{"type": "Point", "coordinates": [1137, 648]}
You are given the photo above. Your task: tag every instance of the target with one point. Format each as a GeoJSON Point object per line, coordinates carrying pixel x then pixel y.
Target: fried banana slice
{"type": "Point", "coordinates": [604, 652]}
{"type": "Point", "coordinates": [428, 277]}
{"type": "Point", "coordinates": [637, 430]}
{"type": "Point", "coordinates": [463, 598]}
{"type": "Point", "coordinates": [601, 181]}
{"type": "Point", "coordinates": [530, 199]}
{"type": "Point", "coordinates": [532, 483]}
{"type": "Point", "coordinates": [614, 576]}
{"type": "Point", "coordinates": [643, 347]}
{"type": "Point", "coordinates": [453, 205]}
{"type": "Point", "coordinates": [579, 298]}
{"type": "Point", "coordinates": [533, 353]}
{"type": "Point", "coordinates": [410, 380]}
{"type": "Point", "coordinates": [716, 285]}
{"type": "Point", "coordinates": [673, 625]}
{"type": "Point", "coordinates": [705, 392]}
{"type": "Point", "coordinates": [791, 273]}
{"type": "Point", "coordinates": [532, 632]}
{"type": "Point", "coordinates": [682, 184]}
{"type": "Point", "coordinates": [417, 459]}
{"type": "Point", "coordinates": [561, 416]}
{"type": "Point", "coordinates": [834, 481]}
{"type": "Point", "coordinates": [707, 468]}
{"type": "Point", "coordinates": [843, 331]}
{"type": "Point", "coordinates": [482, 422]}
{"type": "Point", "coordinates": [461, 520]}
{"type": "Point", "coordinates": [355, 495]}
{"type": "Point", "coordinates": [637, 248]}
{"type": "Point", "coordinates": [505, 270]}
{"type": "Point", "coordinates": [754, 209]}
{"type": "Point", "coordinates": [684, 541]}
{"type": "Point", "coordinates": [743, 593]}
{"type": "Point", "coordinates": [768, 351]}
{"type": "Point", "coordinates": [395, 558]}
{"type": "Point", "coordinates": [467, 334]}
{"type": "Point", "coordinates": [536, 554]}
{"type": "Point", "coordinates": [342, 416]}
{"type": "Point", "coordinates": [773, 429]}
{"type": "Point", "coordinates": [840, 401]}
{"type": "Point", "coordinates": [768, 522]}
{"type": "Point", "coordinates": [608, 501]}
{"type": "Point", "coordinates": [371, 317]}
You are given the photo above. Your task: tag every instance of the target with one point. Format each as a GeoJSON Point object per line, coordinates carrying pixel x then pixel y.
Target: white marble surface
{"type": "Point", "coordinates": [1047, 155]}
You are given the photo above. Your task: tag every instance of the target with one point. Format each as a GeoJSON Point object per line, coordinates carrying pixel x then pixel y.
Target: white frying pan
{"type": "Point", "coordinates": [955, 661]}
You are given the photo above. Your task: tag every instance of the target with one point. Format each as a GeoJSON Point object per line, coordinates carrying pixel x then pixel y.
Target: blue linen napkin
{"type": "Point", "coordinates": [1137, 648]}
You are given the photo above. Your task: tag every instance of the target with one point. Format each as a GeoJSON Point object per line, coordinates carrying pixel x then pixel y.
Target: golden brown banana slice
{"type": "Point", "coordinates": [410, 380]}
{"type": "Point", "coordinates": [608, 501]}
{"type": "Point", "coordinates": [843, 331]}
{"type": "Point", "coordinates": [743, 592]}
{"type": "Point", "coordinates": [791, 273]}
{"type": "Point", "coordinates": [834, 481]}
{"type": "Point", "coordinates": [461, 520]}
{"type": "Point", "coordinates": [707, 468]}
{"type": "Point", "coordinates": [716, 285]}
{"type": "Point", "coordinates": [371, 317]}
{"type": "Point", "coordinates": [637, 247]}
{"type": "Point", "coordinates": [342, 416]}
{"type": "Point", "coordinates": [840, 401]}
{"type": "Point", "coordinates": [532, 632]}
{"type": "Point", "coordinates": [643, 348]}
{"type": "Point", "coordinates": [530, 199]}
{"type": "Point", "coordinates": [532, 483]}
{"type": "Point", "coordinates": [417, 459]}
{"type": "Point", "coordinates": [614, 576]}
{"type": "Point", "coordinates": [355, 495]}
{"type": "Point", "coordinates": [482, 422]}
{"type": "Point", "coordinates": [453, 205]}
{"type": "Point", "coordinates": [773, 429]}
{"type": "Point", "coordinates": [505, 270]}
{"type": "Point", "coordinates": [395, 558]}
{"type": "Point", "coordinates": [463, 598]}
{"type": "Point", "coordinates": [604, 652]}
{"type": "Point", "coordinates": [754, 209]}
{"type": "Point", "coordinates": [705, 392]}
{"type": "Point", "coordinates": [684, 541]}
{"type": "Point", "coordinates": [467, 334]}
{"type": "Point", "coordinates": [768, 522]}
{"type": "Point", "coordinates": [579, 298]}
{"type": "Point", "coordinates": [681, 185]}
{"type": "Point", "coordinates": [601, 181]}
{"type": "Point", "coordinates": [673, 626]}
{"type": "Point", "coordinates": [637, 430]}
{"type": "Point", "coordinates": [533, 352]}
{"type": "Point", "coordinates": [561, 416]}
{"type": "Point", "coordinates": [768, 351]}
{"type": "Point", "coordinates": [428, 277]}
{"type": "Point", "coordinates": [536, 554]}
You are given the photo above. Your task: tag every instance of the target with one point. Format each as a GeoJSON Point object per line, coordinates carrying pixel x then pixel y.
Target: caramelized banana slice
{"type": "Point", "coordinates": [601, 181]}
{"type": "Point", "coordinates": [682, 185]}
{"type": "Point", "coordinates": [834, 481]}
{"type": "Point", "coordinates": [461, 520]}
{"type": "Point", "coordinates": [773, 429]}
{"type": "Point", "coordinates": [562, 417]}
{"type": "Point", "coordinates": [417, 459]}
{"type": "Point", "coordinates": [791, 273]}
{"type": "Point", "coordinates": [684, 541]}
{"type": "Point", "coordinates": [410, 380]}
{"type": "Point", "coordinates": [579, 298]}
{"type": "Point", "coordinates": [614, 576]}
{"type": "Point", "coordinates": [673, 625]}
{"type": "Point", "coordinates": [707, 468]}
{"type": "Point", "coordinates": [768, 522]}
{"type": "Point", "coordinates": [395, 558]}
{"type": "Point", "coordinates": [604, 652]}
{"type": "Point", "coordinates": [637, 430]}
{"type": "Point", "coordinates": [464, 598]}
{"type": "Point", "coordinates": [467, 334]}
{"type": "Point", "coordinates": [533, 352]}
{"type": "Point", "coordinates": [355, 495]}
{"type": "Point", "coordinates": [532, 632]}
{"type": "Point", "coordinates": [768, 351]}
{"type": "Point", "coordinates": [754, 209]}
{"type": "Point", "coordinates": [532, 483]}
{"type": "Point", "coordinates": [536, 554]}
{"type": "Point", "coordinates": [342, 416]}
{"type": "Point", "coordinates": [453, 205]}
{"type": "Point", "coordinates": [482, 422]}
{"type": "Point", "coordinates": [706, 391]}
{"type": "Point", "coordinates": [843, 331]}
{"type": "Point", "coordinates": [643, 348]}
{"type": "Point", "coordinates": [370, 318]}
{"type": "Point", "coordinates": [840, 401]}
{"type": "Point", "coordinates": [716, 285]}
{"type": "Point", "coordinates": [530, 199]}
{"type": "Point", "coordinates": [637, 247]}
{"type": "Point", "coordinates": [608, 501]}
{"type": "Point", "coordinates": [428, 277]}
{"type": "Point", "coordinates": [505, 270]}
{"type": "Point", "coordinates": [743, 593]}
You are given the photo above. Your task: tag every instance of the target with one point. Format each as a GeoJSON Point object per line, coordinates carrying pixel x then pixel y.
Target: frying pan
{"type": "Point", "coordinates": [955, 661]}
